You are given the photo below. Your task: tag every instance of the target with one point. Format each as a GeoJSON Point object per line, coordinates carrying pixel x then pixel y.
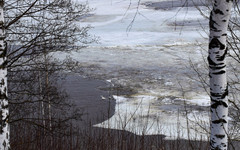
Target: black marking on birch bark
{"type": "Point", "coordinates": [217, 103]}
{"type": "Point", "coordinates": [212, 22]}
{"type": "Point", "coordinates": [218, 147]}
{"type": "Point", "coordinates": [211, 62]}
{"type": "Point", "coordinates": [213, 147]}
{"type": "Point", "coordinates": [216, 94]}
{"type": "Point", "coordinates": [2, 83]}
{"type": "Point", "coordinates": [2, 122]}
{"type": "Point", "coordinates": [4, 52]}
{"type": "Point", "coordinates": [212, 142]}
{"type": "Point", "coordinates": [225, 34]}
{"type": "Point", "coordinates": [215, 43]}
{"type": "Point", "coordinates": [2, 25]}
{"type": "Point", "coordinates": [4, 144]}
{"type": "Point", "coordinates": [225, 94]}
{"type": "Point", "coordinates": [5, 90]}
{"type": "Point", "coordinates": [6, 119]}
{"type": "Point", "coordinates": [220, 72]}
{"type": "Point", "coordinates": [218, 11]}
{"type": "Point", "coordinates": [2, 37]}
{"type": "Point", "coordinates": [221, 58]}
{"type": "Point", "coordinates": [215, 3]}
{"type": "Point", "coordinates": [217, 68]}
{"type": "Point", "coordinates": [224, 144]}
{"type": "Point", "coordinates": [4, 106]}
{"type": "Point", "coordinates": [220, 136]}
{"type": "Point", "coordinates": [3, 65]}
{"type": "Point", "coordinates": [219, 121]}
{"type": "Point", "coordinates": [3, 96]}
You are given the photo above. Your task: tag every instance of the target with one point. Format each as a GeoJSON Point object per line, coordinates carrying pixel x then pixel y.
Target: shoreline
{"type": "Point", "coordinates": [87, 93]}
{"type": "Point", "coordinates": [96, 105]}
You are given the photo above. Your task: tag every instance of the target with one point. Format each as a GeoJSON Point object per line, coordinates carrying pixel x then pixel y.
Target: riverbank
{"type": "Point", "coordinates": [94, 98]}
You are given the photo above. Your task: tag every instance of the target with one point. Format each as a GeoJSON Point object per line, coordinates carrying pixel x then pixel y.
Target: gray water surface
{"type": "Point", "coordinates": [96, 105]}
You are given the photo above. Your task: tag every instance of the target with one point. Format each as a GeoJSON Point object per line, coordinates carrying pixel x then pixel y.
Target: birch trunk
{"type": "Point", "coordinates": [219, 19]}
{"type": "Point", "coordinates": [4, 127]}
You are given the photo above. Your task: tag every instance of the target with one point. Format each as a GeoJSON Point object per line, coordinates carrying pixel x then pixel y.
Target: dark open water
{"type": "Point", "coordinates": [87, 95]}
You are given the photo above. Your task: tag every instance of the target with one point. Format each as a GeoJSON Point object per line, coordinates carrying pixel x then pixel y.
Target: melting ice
{"type": "Point", "coordinates": [151, 51]}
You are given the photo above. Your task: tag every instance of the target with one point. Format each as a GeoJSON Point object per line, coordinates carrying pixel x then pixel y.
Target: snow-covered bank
{"type": "Point", "coordinates": [148, 115]}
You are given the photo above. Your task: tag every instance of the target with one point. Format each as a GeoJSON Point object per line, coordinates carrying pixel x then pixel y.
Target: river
{"type": "Point", "coordinates": [152, 49]}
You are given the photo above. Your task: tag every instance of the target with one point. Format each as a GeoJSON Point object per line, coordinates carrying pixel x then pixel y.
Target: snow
{"type": "Point", "coordinates": [138, 115]}
{"type": "Point", "coordinates": [119, 99]}
{"type": "Point", "coordinates": [109, 81]}
{"type": "Point", "coordinates": [202, 100]}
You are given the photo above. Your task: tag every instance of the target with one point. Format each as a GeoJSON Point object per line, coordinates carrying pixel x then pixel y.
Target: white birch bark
{"type": "Point", "coordinates": [219, 19]}
{"type": "Point", "coordinates": [4, 113]}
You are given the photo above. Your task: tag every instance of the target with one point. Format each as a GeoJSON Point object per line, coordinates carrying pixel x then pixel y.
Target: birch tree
{"type": "Point", "coordinates": [219, 19]}
{"type": "Point", "coordinates": [4, 128]}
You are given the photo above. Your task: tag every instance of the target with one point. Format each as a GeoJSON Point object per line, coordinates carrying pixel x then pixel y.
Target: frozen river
{"type": "Point", "coordinates": [148, 47]}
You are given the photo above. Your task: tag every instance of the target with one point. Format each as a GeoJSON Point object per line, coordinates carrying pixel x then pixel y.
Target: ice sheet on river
{"type": "Point", "coordinates": [154, 60]}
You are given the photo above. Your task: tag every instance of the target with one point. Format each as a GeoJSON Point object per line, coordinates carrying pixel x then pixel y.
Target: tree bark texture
{"type": "Point", "coordinates": [4, 112]}
{"type": "Point", "coordinates": [219, 19]}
